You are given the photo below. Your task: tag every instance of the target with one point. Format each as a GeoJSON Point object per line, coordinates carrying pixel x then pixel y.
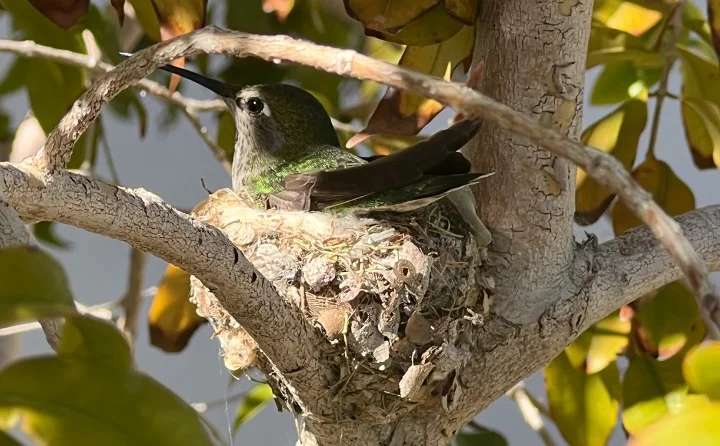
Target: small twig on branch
{"type": "Point", "coordinates": [675, 28]}
{"type": "Point", "coordinates": [102, 311]}
{"type": "Point", "coordinates": [531, 412]}
{"type": "Point", "coordinates": [133, 297]}
{"type": "Point", "coordinates": [189, 107]}
{"type": "Point", "coordinates": [601, 166]}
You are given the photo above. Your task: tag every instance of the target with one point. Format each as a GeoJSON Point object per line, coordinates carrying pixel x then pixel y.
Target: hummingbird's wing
{"type": "Point", "coordinates": [436, 156]}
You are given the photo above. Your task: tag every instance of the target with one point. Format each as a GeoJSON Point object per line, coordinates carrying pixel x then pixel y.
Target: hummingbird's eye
{"type": "Point", "coordinates": [255, 105]}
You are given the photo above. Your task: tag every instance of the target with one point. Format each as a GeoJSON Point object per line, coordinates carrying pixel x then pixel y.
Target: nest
{"type": "Point", "coordinates": [393, 291]}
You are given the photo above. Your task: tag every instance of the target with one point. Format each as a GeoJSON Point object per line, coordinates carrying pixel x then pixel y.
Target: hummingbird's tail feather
{"type": "Point", "coordinates": [410, 197]}
{"type": "Point", "coordinates": [438, 155]}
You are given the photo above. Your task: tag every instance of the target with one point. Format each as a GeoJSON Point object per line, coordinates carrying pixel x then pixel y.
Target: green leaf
{"type": "Point", "coordinates": [103, 30]}
{"type": "Point", "coordinates": [253, 402]}
{"type": "Point", "coordinates": [618, 133]}
{"type": "Point", "coordinates": [33, 286]}
{"type": "Point", "coordinates": [697, 426]}
{"type": "Point", "coordinates": [653, 388]}
{"type": "Point", "coordinates": [43, 231]}
{"type": "Point", "coordinates": [94, 341]}
{"type": "Point", "coordinates": [435, 26]}
{"type": "Point", "coordinates": [700, 369]}
{"type": "Point", "coordinates": [15, 77]}
{"type": "Point", "coordinates": [226, 133]}
{"type": "Point", "coordinates": [146, 16]}
{"type": "Point", "coordinates": [90, 394]}
{"type": "Point", "coordinates": [670, 321]}
{"type": "Point", "coordinates": [701, 107]}
{"type": "Point", "coordinates": [480, 436]}
{"type": "Point", "coordinates": [584, 406]}
{"type": "Point", "coordinates": [622, 81]}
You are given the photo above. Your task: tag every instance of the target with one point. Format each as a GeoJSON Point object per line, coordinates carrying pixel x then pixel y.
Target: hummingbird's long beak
{"type": "Point", "coordinates": [223, 89]}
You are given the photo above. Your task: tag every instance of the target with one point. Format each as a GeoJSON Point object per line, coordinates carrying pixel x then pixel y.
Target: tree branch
{"type": "Point", "coordinates": [143, 220]}
{"type": "Point", "coordinates": [531, 412]}
{"type": "Point", "coordinates": [635, 264]}
{"type": "Point", "coordinates": [133, 297]}
{"type": "Point", "coordinates": [601, 166]}
{"type": "Point", "coordinates": [189, 107]}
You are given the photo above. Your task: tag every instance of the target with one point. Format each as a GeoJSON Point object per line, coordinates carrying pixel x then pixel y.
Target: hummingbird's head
{"type": "Point", "coordinates": [272, 119]}
{"type": "Point", "coordinates": [279, 119]}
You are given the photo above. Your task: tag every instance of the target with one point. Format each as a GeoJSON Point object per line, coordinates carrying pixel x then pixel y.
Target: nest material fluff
{"type": "Point", "coordinates": [392, 290]}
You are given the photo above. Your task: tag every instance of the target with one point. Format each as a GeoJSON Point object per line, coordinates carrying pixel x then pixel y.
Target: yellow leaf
{"type": "Point", "coordinates": [178, 17]}
{"type": "Point", "coordinates": [653, 388]}
{"type": "Point", "coordinates": [700, 369]}
{"type": "Point", "coordinates": [584, 406]}
{"type": "Point", "coordinates": [388, 16]}
{"type": "Point", "coordinates": [669, 191]}
{"type": "Point", "coordinates": [608, 338]}
{"type": "Point", "coordinates": [463, 10]}
{"type": "Point", "coordinates": [626, 16]}
{"type": "Point", "coordinates": [669, 322]}
{"type": "Point", "coordinates": [618, 134]}
{"type": "Point", "coordinates": [401, 113]}
{"type": "Point", "coordinates": [697, 427]}
{"type": "Point", "coordinates": [172, 317]}
{"type": "Point", "coordinates": [701, 107]}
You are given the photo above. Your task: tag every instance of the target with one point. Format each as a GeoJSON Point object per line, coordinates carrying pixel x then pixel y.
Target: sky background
{"type": "Point", "coordinates": [171, 164]}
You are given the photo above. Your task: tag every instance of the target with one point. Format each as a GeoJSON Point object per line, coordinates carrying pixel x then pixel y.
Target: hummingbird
{"type": "Point", "coordinates": [288, 156]}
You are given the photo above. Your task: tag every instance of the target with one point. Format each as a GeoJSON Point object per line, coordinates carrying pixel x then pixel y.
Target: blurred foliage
{"type": "Point", "coordinates": [667, 394]}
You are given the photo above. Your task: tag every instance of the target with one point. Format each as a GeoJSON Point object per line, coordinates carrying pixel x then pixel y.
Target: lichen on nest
{"type": "Point", "coordinates": [391, 290]}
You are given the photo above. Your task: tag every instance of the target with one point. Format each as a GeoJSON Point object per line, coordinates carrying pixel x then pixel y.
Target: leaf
{"type": "Point", "coordinates": [7, 440]}
{"type": "Point", "coordinates": [697, 426]}
{"type": "Point", "coordinates": [670, 321]}
{"type": "Point", "coordinates": [608, 338]}
{"type": "Point", "coordinates": [480, 436]}
{"type": "Point", "coordinates": [668, 191]}
{"type": "Point", "coordinates": [281, 8]}
{"type": "Point", "coordinates": [43, 231]}
{"type": "Point", "coordinates": [463, 10]}
{"type": "Point", "coordinates": [172, 318]}
{"type": "Point", "coordinates": [434, 26]}
{"type": "Point", "coordinates": [700, 369]}
{"type": "Point", "coordinates": [178, 17]}
{"type": "Point", "coordinates": [253, 402]}
{"type": "Point", "coordinates": [387, 16]}
{"type": "Point", "coordinates": [618, 133]}
{"type": "Point", "coordinates": [608, 45]}
{"type": "Point", "coordinates": [402, 113]}
{"type": "Point", "coordinates": [63, 13]}
{"type": "Point", "coordinates": [622, 81]}
{"type": "Point", "coordinates": [651, 389]}
{"type": "Point", "coordinates": [701, 107]}
{"type": "Point", "coordinates": [14, 77]}
{"type": "Point", "coordinates": [148, 19]}
{"type": "Point", "coordinates": [584, 406]}
{"type": "Point", "coordinates": [94, 341]}
{"type": "Point", "coordinates": [90, 394]}
{"type": "Point", "coordinates": [632, 18]}
{"type": "Point", "coordinates": [33, 286]}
